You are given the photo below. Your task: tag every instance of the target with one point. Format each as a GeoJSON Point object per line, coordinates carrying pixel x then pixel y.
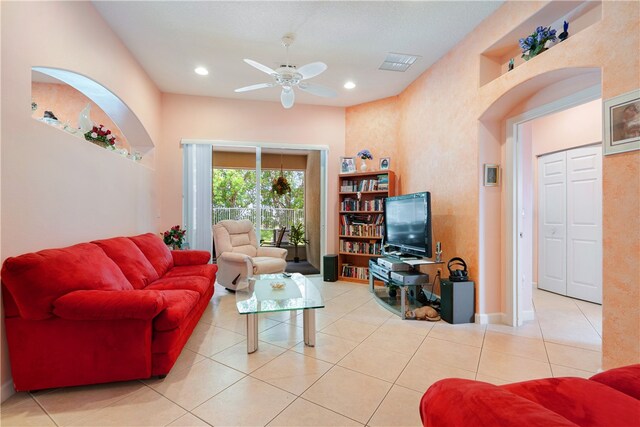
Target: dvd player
{"type": "Point", "coordinates": [409, 278]}
{"type": "Point", "coordinates": [393, 264]}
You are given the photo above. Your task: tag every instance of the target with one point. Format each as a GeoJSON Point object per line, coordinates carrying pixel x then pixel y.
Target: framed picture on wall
{"type": "Point", "coordinates": [347, 164]}
{"type": "Point", "coordinates": [622, 123]}
{"type": "Point", "coordinates": [385, 163]}
{"type": "Point", "coordinates": [491, 175]}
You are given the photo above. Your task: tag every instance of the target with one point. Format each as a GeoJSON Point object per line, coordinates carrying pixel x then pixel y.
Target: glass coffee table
{"type": "Point", "coordinates": [269, 293]}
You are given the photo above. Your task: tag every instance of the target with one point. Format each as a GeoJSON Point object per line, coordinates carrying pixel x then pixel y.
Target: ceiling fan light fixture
{"type": "Point", "coordinates": [349, 85]}
{"type": "Point", "coordinates": [201, 71]}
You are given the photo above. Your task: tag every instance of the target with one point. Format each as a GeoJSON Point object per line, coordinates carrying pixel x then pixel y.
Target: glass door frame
{"type": "Point", "coordinates": [258, 146]}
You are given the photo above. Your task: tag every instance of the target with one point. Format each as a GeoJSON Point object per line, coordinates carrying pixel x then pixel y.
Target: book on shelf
{"type": "Point", "coordinates": [350, 204]}
{"type": "Point", "coordinates": [355, 272]}
{"type": "Point", "coordinates": [366, 248]}
{"type": "Point", "coordinates": [361, 230]}
{"type": "Point", "coordinates": [348, 186]}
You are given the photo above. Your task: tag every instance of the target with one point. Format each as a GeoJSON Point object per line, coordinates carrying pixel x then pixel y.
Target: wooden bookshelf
{"type": "Point", "coordinates": [361, 220]}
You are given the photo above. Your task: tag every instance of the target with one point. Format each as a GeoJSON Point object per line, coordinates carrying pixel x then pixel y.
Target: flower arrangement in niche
{"type": "Point", "coordinates": [280, 186]}
{"type": "Point", "coordinates": [101, 136]}
{"type": "Point", "coordinates": [535, 43]}
{"type": "Point", "coordinates": [174, 237]}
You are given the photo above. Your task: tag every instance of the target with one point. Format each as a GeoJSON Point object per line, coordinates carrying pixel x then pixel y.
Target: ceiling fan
{"type": "Point", "coordinates": [289, 76]}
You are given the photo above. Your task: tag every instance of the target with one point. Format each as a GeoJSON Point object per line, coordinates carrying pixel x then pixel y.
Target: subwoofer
{"type": "Point", "coordinates": [330, 266]}
{"type": "Point", "coordinates": [457, 302]}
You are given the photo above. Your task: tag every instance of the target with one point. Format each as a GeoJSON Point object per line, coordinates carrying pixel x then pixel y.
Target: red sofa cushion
{"type": "Point", "coordinates": [192, 283]}
{"type": "Point", "coordinates": [156, 252]}
{"type": "Point", "coordinates": [582, 401]}
{"type": "Point", "coordinates": [36, 280]}
{"type": "Point", "coordinates": [625, 379]}
{"type": "Point", "coordinates": [178, 305]}
{"type": "Point", "coordinates": [206, 270]}
{"type": "Point", "coordinates": [106, 305]}
{"type": "Point", "coordinates": [463, 403]}
{"type": "Point", "coordinates": [135, 266]}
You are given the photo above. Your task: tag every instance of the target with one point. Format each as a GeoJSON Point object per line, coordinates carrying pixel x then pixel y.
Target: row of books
{"type": "Point", "coordinates": [366, 230]}
{"type": "Point", "coordinates": [355, 272]}
{"type": "Point", "coordinates": [360, 247]}
{"type": "Point", "coordinates": [349, 204]}
{"type": "Point", "coordinates": [361, 219]}
{"type": "Point", "coordinates": [362, 185]}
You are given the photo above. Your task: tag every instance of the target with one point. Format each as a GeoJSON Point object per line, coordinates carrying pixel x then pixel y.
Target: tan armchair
{"type": "Point", "coordinates": [238, 255]}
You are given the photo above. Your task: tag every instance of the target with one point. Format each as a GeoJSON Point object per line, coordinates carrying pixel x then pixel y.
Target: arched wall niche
{"type": "Point", "coordinates": [123, 117]}
{"type": "Point", "coordinates": [495, 223]}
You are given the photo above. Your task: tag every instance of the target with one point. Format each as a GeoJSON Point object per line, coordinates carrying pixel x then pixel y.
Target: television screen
{"type": "Point", "coordinates": [408, 223]}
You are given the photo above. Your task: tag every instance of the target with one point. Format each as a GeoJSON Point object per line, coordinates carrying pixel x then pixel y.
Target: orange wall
{"type": "Point", "coordinates": [56, 188]}
{"type": "Point", "coordinates": [66, 103]}
{"type": "Point", "coordinates": [374, 126]}
{"type": "Point", "coordinates": [439, 136]}
{"type": "Point", "coordinates": [198, 117]}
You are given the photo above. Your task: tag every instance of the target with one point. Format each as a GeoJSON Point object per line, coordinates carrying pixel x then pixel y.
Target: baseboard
{"type": "Point", "coordinates": [535, 285]}
{"type": "Point", "coordinates": [489, 318]}
{"type": "Point", "coordinates": [6, 390]}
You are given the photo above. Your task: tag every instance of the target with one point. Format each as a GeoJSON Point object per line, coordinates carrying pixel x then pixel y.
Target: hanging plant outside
{"type": "Point", "coordinates": [280, 185]}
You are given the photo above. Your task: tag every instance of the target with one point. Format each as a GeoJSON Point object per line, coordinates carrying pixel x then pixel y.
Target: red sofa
{"type": "Point", "coordinates": [110, 310]}
{"type": "Point", "coordinates": [611, 398]}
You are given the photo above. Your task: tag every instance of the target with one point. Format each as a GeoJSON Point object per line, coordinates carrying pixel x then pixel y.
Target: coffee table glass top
{"type": "Point", "coordinates": [274, 292]}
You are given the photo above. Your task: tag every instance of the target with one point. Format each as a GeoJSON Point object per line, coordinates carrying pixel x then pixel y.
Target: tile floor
{"type": "Point", "coordinates": [368, 367]}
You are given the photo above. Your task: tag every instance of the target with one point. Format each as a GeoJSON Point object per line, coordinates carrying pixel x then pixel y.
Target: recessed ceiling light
{"type": "Point", "coordinates": [349, 85]}
{"type": "Point", "coordinates": [202, 71]}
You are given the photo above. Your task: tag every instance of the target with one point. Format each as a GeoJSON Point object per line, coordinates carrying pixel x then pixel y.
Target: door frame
{"type": "Point", "coordinates": [259, 146]}
{"type": "Point", "coordinates": [513, 315]}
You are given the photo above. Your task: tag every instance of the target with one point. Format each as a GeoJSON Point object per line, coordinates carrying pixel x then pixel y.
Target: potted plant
{"type": "Point", "coordinates": [364, 155]}
{"type": "Point", "coordinates": [296, 236]}
{"type": "Point", "coordinates": [535, 43]}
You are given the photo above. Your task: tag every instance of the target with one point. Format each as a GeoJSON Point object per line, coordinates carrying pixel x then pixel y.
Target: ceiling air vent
{"type": "Point", "coordinates": [398, 62]}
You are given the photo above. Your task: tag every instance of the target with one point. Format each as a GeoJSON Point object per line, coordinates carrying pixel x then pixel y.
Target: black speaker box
{"type": "Point", "coordinates": [457, 302]}
{"type": "Point", "coordinates": [330, 265]}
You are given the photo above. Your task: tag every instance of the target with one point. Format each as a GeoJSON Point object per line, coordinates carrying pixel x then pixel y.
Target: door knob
{"type": "Point", "coordinates": [521, 234]}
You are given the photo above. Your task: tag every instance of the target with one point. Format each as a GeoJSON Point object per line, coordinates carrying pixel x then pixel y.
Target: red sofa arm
{"type": "Point", "coordinates": [461, 403]}
{"type": "Point", "coordinates": [109, 305]}
{"type": "Point", "coordinates": [190, 257]}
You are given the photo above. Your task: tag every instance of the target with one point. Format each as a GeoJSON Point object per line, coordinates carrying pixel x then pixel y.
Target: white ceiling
{"type": "Point", "coordinates": [170, 39]}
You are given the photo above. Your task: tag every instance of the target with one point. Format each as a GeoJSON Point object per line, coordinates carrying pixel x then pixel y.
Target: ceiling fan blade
{"type": "Point", "coordinates": [318, 90]}
{"type": "Point", "coordinates": [287, 97]}
{"type": "Point", "coordinates": [312, 69]}
{"type": "Point", "coordinates": [259, 66]}
{"type": "Point", "coordinates": [254, 87]}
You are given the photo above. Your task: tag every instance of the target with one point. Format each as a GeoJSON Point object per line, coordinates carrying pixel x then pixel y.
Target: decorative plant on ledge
{"type": "Point", "coordinates": [101, 136]}
{"type": "Point", "coordinates": [296, 236]}
{"type": "Point", "coordinates": [535, 43]}
{"type": "Point", "coordinates": [174, 237]}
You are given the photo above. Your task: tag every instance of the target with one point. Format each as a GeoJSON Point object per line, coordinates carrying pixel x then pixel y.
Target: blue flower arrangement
{"type": "Point", "coordinates": [534, 44]}
{"type": "Point", "coordinates": [365, 154]}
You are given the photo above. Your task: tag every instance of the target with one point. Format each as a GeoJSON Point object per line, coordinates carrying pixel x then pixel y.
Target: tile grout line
{"type": "Point", "coordinates": [43, 410]}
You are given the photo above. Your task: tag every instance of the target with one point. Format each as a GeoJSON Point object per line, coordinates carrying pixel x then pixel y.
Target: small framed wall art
{"type": "Point", "coordinates": [491, 175]}
{"type": "Point", "coordinates": [347, 164]}
{"type": "Point", "coordinates": [622, 123]}
{"type": "Point", "coordinates": [385, 163]}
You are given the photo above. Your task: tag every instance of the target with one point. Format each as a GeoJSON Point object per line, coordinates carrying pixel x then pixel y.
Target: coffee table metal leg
{"type": "Point", "coordinates": [309, 321]}
{"type": "Point", "coordinates": [252, 333]}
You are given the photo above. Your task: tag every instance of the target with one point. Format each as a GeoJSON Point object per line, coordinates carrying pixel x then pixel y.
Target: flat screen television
{"type": "Point", "coordinates": [407, 224]}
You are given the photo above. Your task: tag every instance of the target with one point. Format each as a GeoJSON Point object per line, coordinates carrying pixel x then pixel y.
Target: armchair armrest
{"type": "Point", "coordinates": [272, 252]}
{"type": "Point", "coordinates": [234, 257]}
{"type": "Point", "coordinates": [109, 305]}
{"type": "Point", "coordinates": [190, 257]}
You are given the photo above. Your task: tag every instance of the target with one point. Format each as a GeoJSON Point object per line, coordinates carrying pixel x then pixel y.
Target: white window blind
{"type": "Point", "coordinates": [196, 194]}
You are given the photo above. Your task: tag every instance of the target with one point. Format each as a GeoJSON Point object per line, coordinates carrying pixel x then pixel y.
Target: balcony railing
{"type": "Point", "coordinates": [271, 217]}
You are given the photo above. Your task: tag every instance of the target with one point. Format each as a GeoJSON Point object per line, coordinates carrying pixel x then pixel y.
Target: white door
{"type": "Point", "coordinates": [584, 223]}
{"type": "Point", "coordinates": [552, 230]}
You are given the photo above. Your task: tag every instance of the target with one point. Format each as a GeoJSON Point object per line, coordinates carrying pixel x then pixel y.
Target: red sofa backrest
{"type": "Point", "coordinates": [126, 254]}
{"type": "Point", "coordinates": [156, 252]}
{"type": "Point", "coordinates": [36, 280]}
